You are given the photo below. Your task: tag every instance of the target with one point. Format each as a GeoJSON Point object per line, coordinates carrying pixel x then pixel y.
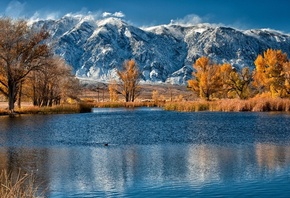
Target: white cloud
{"type": "Point", "coordinates": [119, 14]}
{"type": "Point", "coordinates": [83, 14]}
{"type": "Point", "coordinates": [15, 9]}
{"type": "Point", "coordinates": [50, 15]}
{"type": "Point", "coordinates": [37, 16]}
{"type": "Point", "coordinates": [116, 14]}
{"type": "Point", "coordinates": [191, 19]}
{"type": "Point", "coordinates": [106, 14]}
{"type": "Point", "coordinates": [88, 15]}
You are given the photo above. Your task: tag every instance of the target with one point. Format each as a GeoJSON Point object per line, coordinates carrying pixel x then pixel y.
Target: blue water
{"type": "Point", "coordinates": [151, 153]}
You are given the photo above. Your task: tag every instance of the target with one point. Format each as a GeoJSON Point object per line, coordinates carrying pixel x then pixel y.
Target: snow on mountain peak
{"type": "Point", "coordinates": [96, 47]}
{"type": "Point", "coordinates": [112, 21]}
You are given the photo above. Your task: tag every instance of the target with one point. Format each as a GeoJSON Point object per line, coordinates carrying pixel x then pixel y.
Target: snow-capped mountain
{"type": "Point", "coordinates": [165, 53]}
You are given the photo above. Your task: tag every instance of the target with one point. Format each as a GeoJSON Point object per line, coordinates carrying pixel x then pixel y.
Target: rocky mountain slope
{"type": "Point", "coordinates": [165, 53]}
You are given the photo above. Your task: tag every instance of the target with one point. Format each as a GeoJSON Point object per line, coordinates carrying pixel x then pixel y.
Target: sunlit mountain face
{"type": "Point", "coordinates": [165, 53]}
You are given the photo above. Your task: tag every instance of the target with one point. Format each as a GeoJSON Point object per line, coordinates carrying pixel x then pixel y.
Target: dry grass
{"type": "Point", "coordinates": [233, 105]}
{"type": "Point", "coordinates": [187, 106]}
{"type": "Point", "coordinates": [271, 104]}
{"type": "Point", "coordinates": [254, 104]}
{"type": "Point", "coordinates": [59, 109]}
{"type": "Point", "coordinates": [82, 107]}
{"type": "Point", "coordinates": [18, 185]}
{"type": "Point", "coordinates": [49, 110]}
{"type": "Point", "coordinates": [3, 112]}
{"type": "Point", "coordinates": [76, 108]}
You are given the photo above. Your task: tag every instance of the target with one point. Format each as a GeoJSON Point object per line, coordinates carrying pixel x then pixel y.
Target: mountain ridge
{"type": "Point", "coordinates": [164, 53]}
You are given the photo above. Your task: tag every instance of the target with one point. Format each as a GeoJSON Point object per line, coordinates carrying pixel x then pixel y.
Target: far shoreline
{"type": "Point", "coordinates": [221, 105]}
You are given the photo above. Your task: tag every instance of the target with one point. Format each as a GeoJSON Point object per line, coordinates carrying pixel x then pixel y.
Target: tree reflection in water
{"type": "Point", "coordinates": [117, 169]}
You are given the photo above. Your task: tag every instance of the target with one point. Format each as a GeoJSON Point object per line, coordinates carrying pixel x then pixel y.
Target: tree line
{"type": "Point", "coordinates": [270, 77]}
{"type": "Point", "coordinates": [29, 67]}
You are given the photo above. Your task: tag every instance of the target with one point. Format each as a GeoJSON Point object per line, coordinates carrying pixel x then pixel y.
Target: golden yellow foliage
{"type": "Point", "coordinates": [155, 96]}
{"type": "Point", "coordinates": [113, 91]}
{"type": "Point", "coordinates": [129, 77]}
{"type": "Point", "coordinates": [206, 80]}
{"type": "Point", "coordinates": [239, 82]}
{"type": "Point", "coordinates": [270, 74]}
{"type": "Point", "coordinates": [212, 80]}
{"type": "Point", "coordinates": [286, 70]}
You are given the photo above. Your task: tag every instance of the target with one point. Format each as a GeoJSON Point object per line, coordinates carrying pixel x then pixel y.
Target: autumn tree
{"type": "Point", "coordinates": [237, 82]}
{"type": "Point", "coordinates": [113, 91]}
{"type": "Point", "coordinates": [225, 73]}
{"type": "Point", "coordinates": [21, 52]}
{"type": "Point", "coordinates": [155, 96]}
{"type": "Point", "coordinates": [129, 81]}
{"type": "Point", "coordinates": [3, 82]}
{"type": "Point", "coordinates": [206, 78]}
{"type": "Point", "coordinates": [53, 82]}
{"type": "Point", "coordinates": [270, 74]}
{"type": "Point", "coordinates": [286, 69]}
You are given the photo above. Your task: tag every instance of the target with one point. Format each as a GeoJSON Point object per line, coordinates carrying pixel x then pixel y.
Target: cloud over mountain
{"type": "Point", "coordinates": [189, 20]}
{"type": "Point", "coordinates": [116, 14]}
{"type": "Point", "coordinates": [15, 9]}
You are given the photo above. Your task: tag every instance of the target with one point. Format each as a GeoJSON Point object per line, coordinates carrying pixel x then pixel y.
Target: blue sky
{"type": "Point", "coordinates": [245, 14]}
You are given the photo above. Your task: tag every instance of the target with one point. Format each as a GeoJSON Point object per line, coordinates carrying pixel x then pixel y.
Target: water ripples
{"type": "Point", "coordinates": [151, 153]}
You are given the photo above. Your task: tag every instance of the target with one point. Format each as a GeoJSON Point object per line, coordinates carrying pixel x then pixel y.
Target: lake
{"type": "Point", "coordinates": [151, 153]}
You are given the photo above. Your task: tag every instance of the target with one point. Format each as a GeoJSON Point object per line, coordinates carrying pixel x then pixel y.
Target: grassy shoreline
{"type": "Point", "coordinates": [84, 107]}
{"type": "Point", "coordinates": [224, 105]}
{"type": "Point", "coordinates": [59, 109]}
{"type": "Point", "coordinates": [232, 105]}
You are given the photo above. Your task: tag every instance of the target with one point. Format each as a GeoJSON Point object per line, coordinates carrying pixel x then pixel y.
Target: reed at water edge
{"type": "Point", "coordinates": [18, 185]}
{"type": "Point", "coordinates": [231, 105]}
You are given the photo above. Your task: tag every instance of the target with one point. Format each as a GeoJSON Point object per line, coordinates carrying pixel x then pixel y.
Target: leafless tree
{"type": "Point", "coordinates": [22, 50]}
{"type": "Point", "coordinates": [52, 82]}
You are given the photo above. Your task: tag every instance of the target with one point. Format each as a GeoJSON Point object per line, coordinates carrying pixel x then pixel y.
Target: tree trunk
{"type": "Point", "coordinates": [50, 102]}
{"type": "Point", "coordinates": [11, 104]}
{"type": "Point", "coordinates": [20, 95]}
{"type": "Point", "coordinates": [44, 102]}
{"type": "Point", "coordinates": [127, 97]}
{"type": "Point", "coordinates": [35, 103]}
{"type": "Point", "coordinates": [133, 96]}
{"type": "Point", "coordinates": [12, 93]}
